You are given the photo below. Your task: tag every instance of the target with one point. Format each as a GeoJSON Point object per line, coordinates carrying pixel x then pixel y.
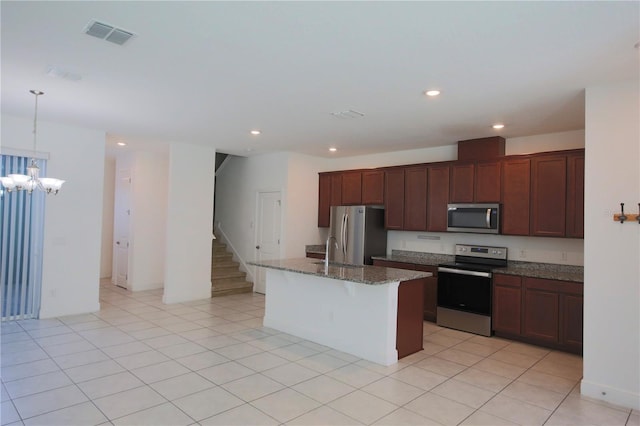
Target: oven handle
{"type": "Point", "coordinates": [465, 272]}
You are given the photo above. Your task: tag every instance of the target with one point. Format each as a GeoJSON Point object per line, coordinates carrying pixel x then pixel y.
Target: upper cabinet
{"type": "Point", "coordinates": [394, 200]}
{"type": "Point", "coordinates": [488, 181]}
{"type": "Point", "coordinates": [548, 195]}
{"type": "Point", "coordinates": [462, 182]}
{"type": "Point", "coordinates": [437, 197]}
{"type": "Point", "coordinates": [575, 195]}
{"type": "Point", "coordinates": [373, 187]}
{"type": "Point", "coordinates": [351, 188]}
{"type": "Point", "coordinates": [540, 194]}
{"type": "Point", "coordinates": [415, 198]}
{"type": "Point", "coordinates": [516, 184]}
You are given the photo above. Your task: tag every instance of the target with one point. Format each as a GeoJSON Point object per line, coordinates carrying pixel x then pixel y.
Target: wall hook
{"type": "Point", "coordinates": [622, 216]}
{"type": "Point", "coordinates": [638, 217]}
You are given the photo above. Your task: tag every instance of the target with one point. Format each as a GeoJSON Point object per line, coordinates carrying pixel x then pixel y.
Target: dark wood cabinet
{"type": "Point", "coordinates": [548, 195]}
{"type": "Point", "coordinates": [575, 195]}
{"type": "Point", "coordinates": [329, 194]}
{"type": "Point", "coordinates": [394, 199]}
{"type": "Point", "coordinates": [437, 197]}
{"type": "Point", "coordinates": [516, 183]}
{"type": "Point", "coordinates": [415, 198]}
{"type": "Point", "coordinates": [507, 300]}
{"type": "Point", "coordinates": [571, 320]}
{"type": "Point", "coordinates": [430, 285]}
{"type": "Point", "coordinates": [487, 180]}
{"type": "Point", "coordinates": [409, 337]}
{"type": "Point", "coordinates": [336, 189]}
{"type": "Point", "coordinates": [541, 310]}
{"type": "Point", "coordinates": [462, 183]}
{"type": "Point", "coordinates": [373, 187]}
{"type": "Point", "coordinates": [324, 199]}
{"type": "Point", "coordinates": [351, 188]}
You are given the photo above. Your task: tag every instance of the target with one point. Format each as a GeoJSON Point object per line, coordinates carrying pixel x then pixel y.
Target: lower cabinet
{"type": "Point", "coordinates": [430, 284]}
{"type": "Point", "coordinates": [540, 311]}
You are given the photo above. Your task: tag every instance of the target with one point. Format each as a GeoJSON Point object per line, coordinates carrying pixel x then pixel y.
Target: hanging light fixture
{"type": "Point", "coordinates": [32, 180]}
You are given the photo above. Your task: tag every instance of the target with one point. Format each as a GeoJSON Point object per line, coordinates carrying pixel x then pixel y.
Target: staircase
{"type": "Point", "coordinates": [226, 277]}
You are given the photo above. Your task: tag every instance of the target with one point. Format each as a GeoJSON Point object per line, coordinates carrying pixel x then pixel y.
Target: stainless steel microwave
{"type": "Point", "coordinates": [475, 218]}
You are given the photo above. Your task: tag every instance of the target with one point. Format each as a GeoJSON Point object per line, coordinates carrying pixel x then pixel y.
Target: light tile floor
{"type": "Point", "coordinates": [210, 362]}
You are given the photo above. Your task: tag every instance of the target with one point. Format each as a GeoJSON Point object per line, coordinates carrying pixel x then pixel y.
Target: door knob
{"type": "Point", "coordinates": [118, 242]}
{"type": "Point", "coordinates": [257, 247]}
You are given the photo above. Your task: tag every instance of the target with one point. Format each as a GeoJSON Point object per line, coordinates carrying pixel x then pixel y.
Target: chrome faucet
{"type": "Point", "coordinates": [326, 252]}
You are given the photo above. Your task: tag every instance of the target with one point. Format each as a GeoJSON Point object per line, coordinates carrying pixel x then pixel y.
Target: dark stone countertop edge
{"type": "Point", "coordinates": [366, 274]}
{"type": "Point", "coordinates": [549, 271]}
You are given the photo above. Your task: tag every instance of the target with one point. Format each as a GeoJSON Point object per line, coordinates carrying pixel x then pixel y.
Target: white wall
{"type": "Point", "coordinates": [73, 218]}
{"type": "Point", "coordinates": [109, 188]}
{"type": "Point", "coordinates": [149, 177]}
{"type": "Point", "coordinates": [612, 250]}
{"type": "Point", "coordinates": [189, 228]}
{"type": "Point", "coordinates": [238, 182]}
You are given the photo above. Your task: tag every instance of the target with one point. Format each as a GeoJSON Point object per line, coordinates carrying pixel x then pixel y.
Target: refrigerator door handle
{"type": "Point", "coordinates": [345, 226]}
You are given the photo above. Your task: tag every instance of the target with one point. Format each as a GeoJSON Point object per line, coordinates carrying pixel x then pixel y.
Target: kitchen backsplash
{"type": "Point", "coordinates": [565, 251]}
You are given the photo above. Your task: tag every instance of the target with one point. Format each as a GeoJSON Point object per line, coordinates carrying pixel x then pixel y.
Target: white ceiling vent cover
{"type": "Point", "coordinates": [107, 32]}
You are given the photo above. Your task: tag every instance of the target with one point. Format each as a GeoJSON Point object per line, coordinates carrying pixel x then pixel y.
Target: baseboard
{"type": "Point", "coordinates": [610, 394]}
{"type": "Point", "coordinates": [46, 314]}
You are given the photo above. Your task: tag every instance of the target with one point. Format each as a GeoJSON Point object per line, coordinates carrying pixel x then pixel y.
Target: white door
{"type": "Point", "coordinates": [121, 227]}
{"type": "Point", "coordinates": [267, 233]}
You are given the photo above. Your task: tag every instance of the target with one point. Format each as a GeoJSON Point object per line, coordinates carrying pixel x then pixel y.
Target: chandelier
{"type": "Point", "coordinates": [32, 180]}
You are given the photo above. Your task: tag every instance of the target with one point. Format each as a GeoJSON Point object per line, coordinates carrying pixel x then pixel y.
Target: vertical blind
{"type": "Point", "coordinates": [21, 236]}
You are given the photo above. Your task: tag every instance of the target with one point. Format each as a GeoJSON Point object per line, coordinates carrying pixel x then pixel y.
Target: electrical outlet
{"type": "Point", "coordinates": [523, 254]}
{"type": "Point", "coordinates": [564, 255]}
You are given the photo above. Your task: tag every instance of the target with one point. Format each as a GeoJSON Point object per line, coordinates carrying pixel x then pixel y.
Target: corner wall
{"type": "Point", "coordinates": [612, 250]}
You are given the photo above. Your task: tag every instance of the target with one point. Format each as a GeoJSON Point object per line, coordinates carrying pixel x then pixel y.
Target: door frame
{"type": "Point", "coordinates": [256, 226]}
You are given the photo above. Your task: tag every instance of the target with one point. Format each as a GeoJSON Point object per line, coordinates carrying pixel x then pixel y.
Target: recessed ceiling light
{"type": "Point", "coordinates": [255, 132]}
{"type": "Point", "coordinates": [122, 144]}
{"type": "Point", "coordinates": [432, 92]}
{"type": "Point", "coordinates": [333, 149]}
{"type": "Point", "coordinates": [498, 126]}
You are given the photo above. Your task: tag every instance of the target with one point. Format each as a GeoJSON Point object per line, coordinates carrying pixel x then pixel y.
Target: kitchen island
{"type": "Point", "coordinates": [371, 312]}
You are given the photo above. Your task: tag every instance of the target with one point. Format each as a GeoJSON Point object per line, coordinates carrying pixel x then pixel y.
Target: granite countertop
{"type": "Point", "coordinates": [416, 257]}
{"type": "Point", "coordinates": [372, 275]}
{"type": "Point", "coordinates": [549, 271]}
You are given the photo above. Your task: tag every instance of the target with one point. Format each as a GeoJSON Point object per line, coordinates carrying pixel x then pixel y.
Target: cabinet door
{"type": "Point", "coordinates": [351, 188]}
{"type": "Point", "coordinates": [507, 300]}
{"type": "Point", "coordinates": [415, 198]}
{"type": "Point", "coordinates": [487, 182]}
{"type": "Point", "coordinates": [430, 291]}
{"type": "Point", "coordinates": [515, 196]}
{"type": "Point", "coordinates": [571, 321]}
{"type": "Point", "coordinates": [336, 189]}
{"type": "Point", "coordinates": [394, 200]}
{"type": "Point", "coordinates": [541, 311]}
{"type": "Point", "coordinates": [324, 199]}
{"type": "Point", "coordinates": [462, 183]}
{"type": "Point", "coordinates": [438, 198]}
{"type": "Point", "coordinates": [575, 196]}
{"type": "Point", "coordinates": [548, 195]}
{"type": "Point", "coordinates": [373, 187]}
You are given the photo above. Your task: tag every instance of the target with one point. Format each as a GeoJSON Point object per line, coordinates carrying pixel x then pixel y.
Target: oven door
{"type": "Point", "coordinates": [462, 290]}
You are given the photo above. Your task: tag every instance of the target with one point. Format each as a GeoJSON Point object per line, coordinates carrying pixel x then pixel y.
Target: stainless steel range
{"type": "Point", "coordinates": [464, 288]}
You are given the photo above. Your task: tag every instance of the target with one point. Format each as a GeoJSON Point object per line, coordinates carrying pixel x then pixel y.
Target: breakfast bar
{"type": "Point", "coordinates": [371, 312]}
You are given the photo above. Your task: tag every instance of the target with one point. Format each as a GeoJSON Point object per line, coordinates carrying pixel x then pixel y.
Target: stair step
{"type": "Point", "coordinates": [216, 275]}
{"type": "Point", "coordinates": [231, 291]}
{"type": "Point", "coordinates": [224, 263]}
{"type": "Point", "coordinates": [237, 283]}
{"type": "Point", "coordinates": [225, 271]}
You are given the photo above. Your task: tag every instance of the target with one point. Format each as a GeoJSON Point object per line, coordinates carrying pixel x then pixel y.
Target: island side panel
{"type": "Point", "coordinates": [356, 318]}
{"type": "Point", "coordinates": [410, 317]}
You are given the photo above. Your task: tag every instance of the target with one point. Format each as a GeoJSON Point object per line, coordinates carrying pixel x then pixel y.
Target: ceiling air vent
{"type": "Point", "coordinates": [348, 114]}
{"type": "Point", "coordinates": [107, 32]}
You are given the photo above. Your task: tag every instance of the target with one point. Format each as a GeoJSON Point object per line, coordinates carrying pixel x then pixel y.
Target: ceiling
{"type": "Point", "coordinates": [209, 72]}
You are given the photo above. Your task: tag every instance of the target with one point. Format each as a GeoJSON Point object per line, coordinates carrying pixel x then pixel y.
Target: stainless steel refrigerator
{"type": "Point", "coordinates": [355, 234]}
